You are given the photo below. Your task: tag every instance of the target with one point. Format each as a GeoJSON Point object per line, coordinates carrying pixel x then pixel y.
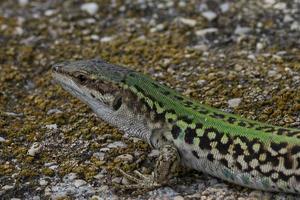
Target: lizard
{"type": "Point", "coordinates": [224, 145]}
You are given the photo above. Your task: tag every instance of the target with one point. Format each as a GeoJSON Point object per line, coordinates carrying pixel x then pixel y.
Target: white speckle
{"type": "Point", "coordinates": [105, 149]}
{"type": "Point", "coordinates": [95, 37]}
{"type": "Point", "coordinates": [18, 31]}
{"type": "Point", "coordinates": [2, 139]}
{"type": "Point", "coordinates": [287, 18]}
{"type": "Point", "coordinates": [241, 30]}
{"type": "Point", "coordinates": [117, 180]}
{"type": "Point", "coordinates": [157, 28]}
{"type": "Point", "coordinates": [269, 3]}
{"type": "Point", "coordinates": [234, 102]}
{"type": "Point", "coordinates": [79, 182]}
{"type": "Point", "coordinates": [107, 39]}
{"type": "Point", "coordinates": [23, 2]}
{"type": "Point", "coordinates": [125, 158]}
{"type": "Point", "coordinates": [209, 15]}
{"type": "Point", "coordinates": [70, 177]}
{"type": "Point", "coordinates": [182, 4]}
{"type": "Point", "coordinates": [51, 126]}
{"type": "Point", "coordinates": [99, 155]}
{"type": "Point", "coordinates": [295, 26]}
{"type": "Point", "coordinates": [43, 182]}
{"type": "Point", "coordinates": [7, 187]}
{"type": "Point", "coordinates": [272, 73]}
{"type": "Point", "coordinates": [259, 46]}
{"type": "Point", "coordinates": [117, 144]}
{"type": "Point", "coordinates": [203, 32]}
{"type": "Point", "coordinates": [189, 22]}
{"type": "Point", "coordinates": [178, 198]}
{"type": "Point", "coordinates": [34, 149]}
{"type": "Point", "coordinates": [201, 82]}
{"type": "Point", "coordinates": [224, 7]}
{"type": "Point", "coordinates": [90, 8]}
{"type": "Point", "coordinates": [49, 13]}
{"type": "Point", "coordinates": [251, 57]}
{"type": "Point", "coordinates": [280, 6]}
{"type": "Point", "coordinates": [53, 111]}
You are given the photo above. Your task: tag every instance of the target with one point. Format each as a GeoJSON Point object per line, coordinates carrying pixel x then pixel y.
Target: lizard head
{"type": "Point", "coordinates": [97, 83]}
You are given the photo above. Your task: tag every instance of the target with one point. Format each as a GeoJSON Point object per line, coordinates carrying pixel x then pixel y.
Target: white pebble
{"type": "Point", "coordinates": [125, 158]}
{"type": "Point", "coordinates": [234, 102]}
{"type": "Point", "coordinates": [241, 30]}
{"type": "Point", "coordinates": [7, 187]}
{"type": "Point", "coordinates": [209, 15]}
{"type": "Point", "coordinates": [189, 22]}
{"type": "Point", "coordinates": [158, 27]}
{"type": "Point", "coordinates": [280, 6]}
{"type": "Point", "coordinates": [70, 177]}
{"type": "Point", "coordinates": [53, 111]}
{"type": "Point", "coordinates": [51, 126]}
{"type": "Point", "coordinates": [23, 2]}
{"type": "Point", "coordinates": [90, 8]}
{"type": "Point", "coordinates": [49, 13]}
{"type": "Point", "coordinates": [295, 26]}
{"type": "Point", "coordinates": [224, 7]}
{"type": "Point", "coordinates": [106, 39]}
{"type": "Point", "coordinates": [2, 139]}
{"type": "Point", "coordinates": [287, 18]}
{"type": "Point", "coordinates": [43, 182]}
{"type": "Point", "coordinates": [251, 57]}
{"type": "Point", "coordinates": [206, 31]}
{"type": "Point", "coordinates": [95, 37]}
{"type": "Point", "coordinates": [79, 182]}
{"type": "Point", "coordinates": [117, 144]}
{"type": "Point", "coordinates": [259, 46]}
{"type": "Point", "coordinates": [34, 149]}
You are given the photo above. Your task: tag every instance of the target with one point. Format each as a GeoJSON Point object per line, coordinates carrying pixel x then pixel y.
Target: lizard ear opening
{"type": "Point", "coordinates": [117, 103]}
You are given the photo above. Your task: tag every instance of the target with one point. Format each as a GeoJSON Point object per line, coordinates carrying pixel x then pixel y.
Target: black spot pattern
{"type": "Point", "coordinates": [189, 136]}
{"type": "Point", "coordinates": [175, 131]}
{"type": "Point", "coordinates": [195, 154]}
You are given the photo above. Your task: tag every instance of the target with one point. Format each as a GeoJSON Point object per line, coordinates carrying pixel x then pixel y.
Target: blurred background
{"type": "Point", "coordinates": [240, 56]}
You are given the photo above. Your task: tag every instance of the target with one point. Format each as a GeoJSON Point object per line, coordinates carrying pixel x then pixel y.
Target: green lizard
{"type": "Point", "coordinates": [238, 150]}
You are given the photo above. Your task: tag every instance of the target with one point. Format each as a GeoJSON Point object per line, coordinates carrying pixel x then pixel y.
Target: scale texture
{"type": "Point", "coordinates": [224, 145]}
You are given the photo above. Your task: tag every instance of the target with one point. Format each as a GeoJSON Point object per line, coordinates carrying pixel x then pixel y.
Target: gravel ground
{"type": "Point", "coordinates": [240, 56]}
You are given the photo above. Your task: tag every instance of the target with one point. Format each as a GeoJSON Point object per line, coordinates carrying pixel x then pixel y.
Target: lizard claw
{"type": "Point", "coordinates": [141, 181]}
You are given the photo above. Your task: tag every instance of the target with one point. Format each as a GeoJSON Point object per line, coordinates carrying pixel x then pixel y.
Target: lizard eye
{"type": "Point", "coordinates": [82, 78]}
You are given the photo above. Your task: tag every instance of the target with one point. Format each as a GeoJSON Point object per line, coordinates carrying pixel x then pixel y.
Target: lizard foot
{"type": "Point", "coordinates": [141, 181]}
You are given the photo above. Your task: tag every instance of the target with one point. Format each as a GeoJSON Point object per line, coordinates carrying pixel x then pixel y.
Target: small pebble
{"type": "Point", "coordinates": [2, 139]}
{"type": "Point", "coordinates": [91, 8]}
{"type": "Point", "coordinates": [23, 2]}
{"type": "Point", "coordinates": [43, 182]}
{"type": "Point", "coordinates": [224, 7]}
{"type": "Point", "coordinates": [234, 102]}
{"type": "Point", "coordinates": [241, 30]}
{"type": "Point", "coordinates": [53, 111]}
{"type": "Point", "coordinates": [51, 126]}
{"type": "Point", "coordinates": [206, 31]}
{"type": "Point", "coordinates": [34, 149]}
{"type": "Point", "coordinates": [106, 39]}
{"type": "Point", "coordinates": [189, 22]}
{"type": "Point", "coordinates": [117, 144]}
{"type": "Point", "coordinates": [125, 158]}
{"type": "Point", "coordinates": [79, 182]}
{"type": "Point", "coordinates": [209, 15]}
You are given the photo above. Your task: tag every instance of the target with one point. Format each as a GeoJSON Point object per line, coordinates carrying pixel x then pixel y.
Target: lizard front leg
{"type": "Point", "coordinates": [166, 167]}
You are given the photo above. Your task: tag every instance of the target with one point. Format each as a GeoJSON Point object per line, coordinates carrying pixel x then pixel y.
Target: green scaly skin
{"type": "Point", "coordinates": [224, 145]}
